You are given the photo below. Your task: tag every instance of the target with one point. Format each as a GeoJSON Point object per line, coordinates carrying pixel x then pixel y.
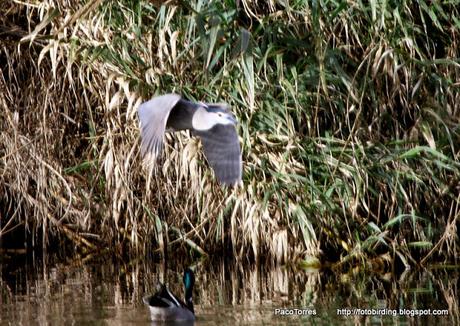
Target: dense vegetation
{"type": "Point", "coordinates": [349, 122]}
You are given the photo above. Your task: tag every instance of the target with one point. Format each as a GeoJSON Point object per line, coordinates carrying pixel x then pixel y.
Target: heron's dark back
{"type": "Point", "coordinates": [180, 117]}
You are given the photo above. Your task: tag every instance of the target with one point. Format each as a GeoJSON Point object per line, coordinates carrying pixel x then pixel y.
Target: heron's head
{"type": "Point", "coordinates": [208, 116]}
{"type": "Point", "coordinates": [223, 118]}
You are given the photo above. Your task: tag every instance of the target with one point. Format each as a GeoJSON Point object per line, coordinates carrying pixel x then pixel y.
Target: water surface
{"type": "Point", "coordinates": [107, 292]}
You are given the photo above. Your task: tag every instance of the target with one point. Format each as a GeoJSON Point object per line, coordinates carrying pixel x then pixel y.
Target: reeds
{"type": "Point", "coordinates": [348, 117]}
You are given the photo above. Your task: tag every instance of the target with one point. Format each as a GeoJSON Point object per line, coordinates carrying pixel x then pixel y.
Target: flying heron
{"type": "Point", "coordinates": [213, 123]}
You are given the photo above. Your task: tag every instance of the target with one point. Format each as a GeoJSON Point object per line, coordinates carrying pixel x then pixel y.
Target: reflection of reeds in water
{"type": "Point", "coordinates": [224, 292]}
{"type": "Point", "coordinates": [348, 123]}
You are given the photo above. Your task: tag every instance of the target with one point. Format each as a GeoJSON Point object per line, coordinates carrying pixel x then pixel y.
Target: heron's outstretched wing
{"type": "Point", "coordinates": [222, 149]}
{"type": "Point", "coordinates": [153, 115]}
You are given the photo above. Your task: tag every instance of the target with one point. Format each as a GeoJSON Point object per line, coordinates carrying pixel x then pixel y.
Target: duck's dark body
{"type": "Point", "coordinates": [165, 306]}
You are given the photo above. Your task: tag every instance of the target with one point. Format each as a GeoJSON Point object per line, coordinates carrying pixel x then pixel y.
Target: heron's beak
{"type": "Point", "coordinates": [232, 119]}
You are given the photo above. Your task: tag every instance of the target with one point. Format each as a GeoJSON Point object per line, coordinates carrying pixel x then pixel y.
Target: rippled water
{"type": "Point", "coordinates": [105, 292]}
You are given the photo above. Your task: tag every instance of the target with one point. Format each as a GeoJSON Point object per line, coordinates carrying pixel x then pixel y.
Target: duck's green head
{"type": "Point", "coordinates": [189, 279]}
